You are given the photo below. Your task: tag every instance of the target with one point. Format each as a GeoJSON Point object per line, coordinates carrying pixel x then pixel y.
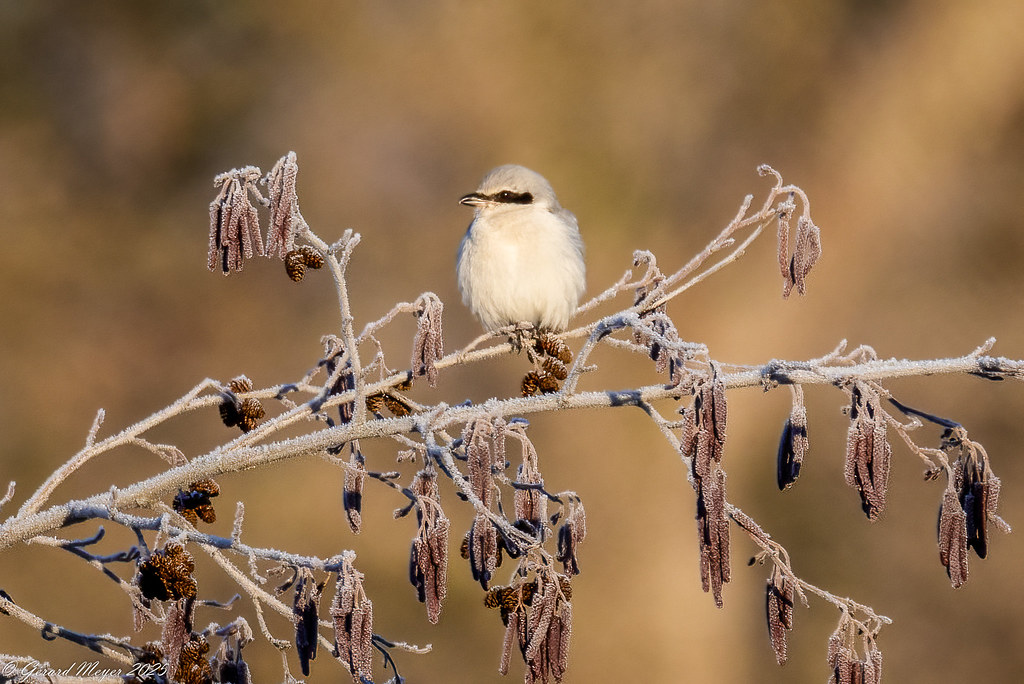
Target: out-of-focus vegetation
{"type": "Point", "coordinates": [904, 122]}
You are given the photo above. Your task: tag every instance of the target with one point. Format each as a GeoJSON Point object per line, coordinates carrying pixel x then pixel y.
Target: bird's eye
{"type": "Point", "coordinates": [510, 197]}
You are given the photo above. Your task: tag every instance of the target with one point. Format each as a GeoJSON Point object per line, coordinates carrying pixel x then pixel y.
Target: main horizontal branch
{"type": "Point", "coordinates": [220, 461]}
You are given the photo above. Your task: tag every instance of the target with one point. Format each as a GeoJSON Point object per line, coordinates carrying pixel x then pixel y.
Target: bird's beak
{"type": "Point", "coordinates": [473, 199]}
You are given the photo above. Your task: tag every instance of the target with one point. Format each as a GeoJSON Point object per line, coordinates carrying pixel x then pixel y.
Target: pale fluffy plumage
{"type": "Point", "coordinates": [522, 256]}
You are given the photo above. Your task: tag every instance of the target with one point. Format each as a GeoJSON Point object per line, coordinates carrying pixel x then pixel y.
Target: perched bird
{"type": "Point", "coordinates": [521, 259]}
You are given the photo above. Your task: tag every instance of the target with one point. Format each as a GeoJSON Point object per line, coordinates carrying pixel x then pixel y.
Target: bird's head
{"type": "Point", "coordinates": [509, 187]}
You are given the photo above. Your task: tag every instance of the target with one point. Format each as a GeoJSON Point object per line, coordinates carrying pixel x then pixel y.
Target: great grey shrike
{"type": "Point", "coordinates": [521, 259]}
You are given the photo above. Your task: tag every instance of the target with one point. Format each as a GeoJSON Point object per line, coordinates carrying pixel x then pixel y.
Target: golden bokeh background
{"type": "Point", "coordinates": [904, 122]}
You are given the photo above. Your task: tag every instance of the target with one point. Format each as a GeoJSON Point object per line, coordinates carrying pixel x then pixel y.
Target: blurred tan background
{"type": "Point", "coordinates": [904, 121]}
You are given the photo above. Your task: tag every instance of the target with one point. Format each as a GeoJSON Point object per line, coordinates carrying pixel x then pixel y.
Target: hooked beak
{"type": "Point", "coordinates": [473, 199]}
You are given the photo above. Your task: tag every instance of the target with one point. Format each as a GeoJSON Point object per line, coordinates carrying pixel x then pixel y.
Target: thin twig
{"type": "Point", "coordinates": [190, 401]}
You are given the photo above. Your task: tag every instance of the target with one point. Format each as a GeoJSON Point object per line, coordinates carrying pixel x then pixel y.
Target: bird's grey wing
{"type": "Point", "coordinates": [568, 217]}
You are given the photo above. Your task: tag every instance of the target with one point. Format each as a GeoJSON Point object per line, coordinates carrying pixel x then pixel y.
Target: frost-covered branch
{"type": "Point", "coordinates": [481, 456]}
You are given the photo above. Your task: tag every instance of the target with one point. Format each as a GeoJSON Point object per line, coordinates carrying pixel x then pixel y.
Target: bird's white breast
{"type": "Point", "coordinates": [522, 264]}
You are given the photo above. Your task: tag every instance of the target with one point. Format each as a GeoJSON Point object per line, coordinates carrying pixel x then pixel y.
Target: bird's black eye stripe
{"type": "Point", "coordinates": [509, 197]}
